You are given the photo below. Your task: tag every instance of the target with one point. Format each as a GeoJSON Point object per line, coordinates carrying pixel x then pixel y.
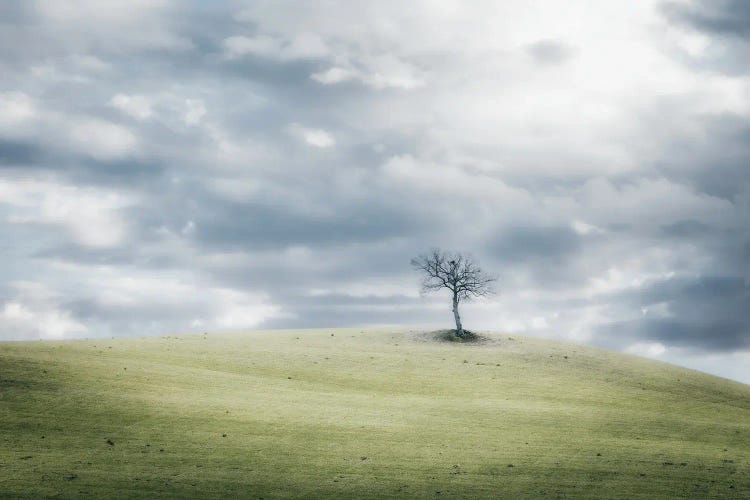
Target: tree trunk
{"type": "Point", "coordinates": [457, 317]}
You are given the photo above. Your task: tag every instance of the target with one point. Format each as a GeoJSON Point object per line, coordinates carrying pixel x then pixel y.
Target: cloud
{"type": "Point", "coordinates": [381, 72]}
{"type": "Point", "coordinates": [550, 51]}
{"type": "Point", "coordinates": [334, 75]}
{"type": "Point", "coordinates": [34, 313]}
{"type": "Point", "coordinates": [135, 106]}
{"type": "Point", "coordinates": [17, 109]}
{"type": "Point", "coordinates": [91, 215]}
{"type": "Point", "coordinates": [649, 349]}
{"type": "Point", "coordinates": [302, 46]}
{"type": "Point", "coordinates": [315, 137]}
{"type": "Point", "coordinates": [195, 110]}
{"type": "Point", "coordinates": [170, 167]}
{"type": "Point", "coordinates": [103, 140]}
{"type": "Point", "coordinates": [723, 17]}
{"type": "Point", "coordinates": [720, 32]}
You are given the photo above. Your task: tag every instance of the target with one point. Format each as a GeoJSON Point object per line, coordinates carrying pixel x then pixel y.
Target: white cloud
{"type": "Point", "coordinates": [103, 140]}
{"type": "Point", "coordinates": [453, 182]}
{"type": "Point", "coordinates": [648, 349]}
{"type": "Point", "coordinates": [23, 322]}
{"type": "Point", "coordinates": [334, 75]}
{"type": "Point", "coordinates": [315, 137]}
{"type": "Point", "coordinates": [181, 298]}
{"type": "Point", "coordinates": [34, 312]}
{"type": "Point", "coordinates": [299, 46]}
{"type": "Point", "coordinates": [91, 215]}
{"type": "Point", "coordinates": [381, 72]}
{"type": "Point", "coordinates": [17, 111]}
{"type": "Point", "coordinates": [584, 228]}
{"type": "Point", "coordinates": [195, 110]}
{"type": "Point", "coordinates": [188, 229]}
{"type": "Point", "coordinates": [115, 25]}
{"type": "Point", "coordinates": [136, 106]}
{"type": "Point", "coordinates": [388, 71]}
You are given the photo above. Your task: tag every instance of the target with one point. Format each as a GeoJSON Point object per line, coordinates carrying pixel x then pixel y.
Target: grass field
{"type": "Point", "coordinates": [354, 413]}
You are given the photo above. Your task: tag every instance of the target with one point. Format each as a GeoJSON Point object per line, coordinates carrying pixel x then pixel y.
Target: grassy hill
{"type": "Point", "coordinates": [362, 413]}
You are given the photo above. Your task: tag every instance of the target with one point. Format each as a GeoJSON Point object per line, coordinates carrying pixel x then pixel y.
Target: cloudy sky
{"type": "Point", "coordinates": [198, 166]}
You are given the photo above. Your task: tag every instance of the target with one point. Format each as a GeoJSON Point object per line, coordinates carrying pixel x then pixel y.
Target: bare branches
{"type": "Point", "coordinates": [456, 272]}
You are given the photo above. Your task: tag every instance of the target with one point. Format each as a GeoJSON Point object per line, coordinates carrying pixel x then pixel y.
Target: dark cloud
{"type": "Point", "coordinates": [726, 22]}
{"type": "Point", "coordinates": [15, 153]}
{"type": "Point", "coordinates": [519, 244]}
{"type": "Point", "coordinates": [722, 17]}
{"type": "Point", "coordinates": [258, 226]}
{"type": "Point", "coordinates": [686, 229]}
{"type": "Point", "coordinates": [702, 313]}
{"type": "Point", "coordinates": [151, 180]}
{"type": "Point", "coordinates": [550, 51]}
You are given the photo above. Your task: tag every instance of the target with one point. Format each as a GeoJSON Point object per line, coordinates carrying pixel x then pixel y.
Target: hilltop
{"type": "Point", "coordinates": [363, 413]}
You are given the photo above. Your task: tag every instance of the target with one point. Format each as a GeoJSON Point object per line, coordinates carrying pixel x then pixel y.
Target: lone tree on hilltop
{"type": "Point", "coordinates": [456, 272]}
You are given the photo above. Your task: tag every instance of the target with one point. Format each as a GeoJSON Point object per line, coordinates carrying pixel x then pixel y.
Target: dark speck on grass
{"type": "Point", "coordinates": [70, 477]}
{"type": "Point", "coordinates": [598, 454]}
{"type": "Point", "coordinates": [223, 435]}
{"type": "Point", "coordinates": [511, 465]}
{"type": "Point", "coordinates": [110, 442]}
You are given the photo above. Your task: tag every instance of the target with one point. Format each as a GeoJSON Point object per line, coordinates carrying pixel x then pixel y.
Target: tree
{"type": "Point", "coordinates": [456, 272]}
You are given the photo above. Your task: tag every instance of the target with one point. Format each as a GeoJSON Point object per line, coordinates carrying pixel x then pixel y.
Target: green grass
{"type": "Point", "coordinates": [362, 414]}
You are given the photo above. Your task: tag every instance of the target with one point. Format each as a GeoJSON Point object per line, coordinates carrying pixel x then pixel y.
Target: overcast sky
{"type": "Point", "coordinates": [201, 166]}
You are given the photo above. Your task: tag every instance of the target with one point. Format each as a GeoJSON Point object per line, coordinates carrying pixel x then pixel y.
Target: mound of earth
{"type": "Point", "coordinates": [468, 337]}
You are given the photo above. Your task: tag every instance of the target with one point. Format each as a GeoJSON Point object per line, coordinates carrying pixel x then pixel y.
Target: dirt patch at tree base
{"type": "Point", "coordinates": [448, 336]}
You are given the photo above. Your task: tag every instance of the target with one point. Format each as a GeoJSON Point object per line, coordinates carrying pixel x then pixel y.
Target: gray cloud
{"type": "Point", "coordinates": [550, 51]}
{"type": "Point", "coordinates": [723, 17]}
{"type": "Point", "coordinates": [726, 22]}
{"type": "Point", "coordinates": [170, 167]}
{"type": "Point", "coordinates": [700, 313]}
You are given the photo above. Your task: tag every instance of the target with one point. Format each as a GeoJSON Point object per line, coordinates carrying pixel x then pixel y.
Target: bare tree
{"type": "Point", "coordinates": [455, 272]}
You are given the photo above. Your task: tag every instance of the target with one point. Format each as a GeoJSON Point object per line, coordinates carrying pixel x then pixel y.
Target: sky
{"type": "Point", "coordinates": [187, 166]}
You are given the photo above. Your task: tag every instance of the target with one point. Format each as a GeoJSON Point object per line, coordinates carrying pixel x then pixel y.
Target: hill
{"type": "Point", "coordinates": [357, 413]}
